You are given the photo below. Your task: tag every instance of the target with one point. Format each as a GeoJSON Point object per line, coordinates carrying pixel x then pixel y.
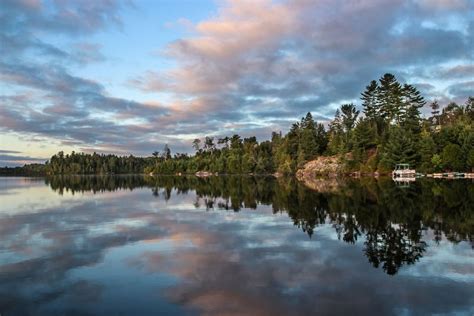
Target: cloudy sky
{"type": "Point", "coordinates": [127, 77]}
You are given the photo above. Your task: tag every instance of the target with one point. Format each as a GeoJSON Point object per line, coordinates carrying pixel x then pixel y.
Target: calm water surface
{"type": "Point", "coordinates": [235, 245]}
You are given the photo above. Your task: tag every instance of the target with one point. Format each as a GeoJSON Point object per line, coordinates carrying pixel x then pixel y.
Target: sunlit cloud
{"type": "Point", "coordinates": [248, 67]}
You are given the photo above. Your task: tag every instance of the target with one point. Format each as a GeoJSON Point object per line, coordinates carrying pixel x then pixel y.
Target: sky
{"type": "Point", "coordinates": [128, 77]}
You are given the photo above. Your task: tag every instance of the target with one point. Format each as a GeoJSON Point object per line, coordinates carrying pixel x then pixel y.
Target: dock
{"type": "Point", "coordinates": [403, 173]}
{"type": "Point", "coordinates": [451, 175]}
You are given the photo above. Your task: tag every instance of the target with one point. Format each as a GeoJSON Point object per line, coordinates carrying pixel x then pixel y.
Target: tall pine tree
{"type": "Point", "coordinates": [410, 113]}
{"type": "Point", "coordinates": [389, 97]}
{"type": "Point", "coordinates": [370, 102]}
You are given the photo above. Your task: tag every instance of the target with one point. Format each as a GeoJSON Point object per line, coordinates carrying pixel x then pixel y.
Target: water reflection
{"type": "Point", "coordinates": [140, 238]}
{"type": "Point", "coordinates": [390, 218]}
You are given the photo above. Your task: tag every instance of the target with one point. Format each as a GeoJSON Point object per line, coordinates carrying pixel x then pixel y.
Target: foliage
{"type": "Point", "coordinates": [96, 164]}
{"type": "Point", "coordinates": [390, 131]}
{"type": "Point", "coordinates": [393, 130]}
{"type": "Point", "coordinates": [34, 169]}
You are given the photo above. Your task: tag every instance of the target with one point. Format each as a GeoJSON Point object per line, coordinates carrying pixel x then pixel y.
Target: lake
{"type": "Point", "coordinates": [133, 245]}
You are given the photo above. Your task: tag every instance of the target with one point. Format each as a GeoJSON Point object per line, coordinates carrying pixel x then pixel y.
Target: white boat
{"type": "Point", "coordinates": [402, 170]}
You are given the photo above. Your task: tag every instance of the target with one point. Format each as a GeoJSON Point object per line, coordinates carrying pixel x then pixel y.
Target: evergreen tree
{"type": "Point", "coordinates": [293, 142]}
{"type": "Point", "coordinates": [450, 114]}
{"type": "Point", "coordinates": [197, 144]}
{"type": "Point", "coordinates": [370, 102]}
{"type": "Point", "coordinates": [389, 97]}
{"type": "Point", "coordinates": [427, 148]}
{"type": "Point", "coordinates": [336, 135]}
{"type": "Point", "coordinates": [166, 152]}
{"type": "Point", "coordinates": [364, 135]}
{"type": "Point", "coordinates": [452, 157]}
{"type": "Point", "coordinates": [410, 113]}
{"type": "Point", "coordinates": [209, 144]}
{"type": "Point", "coordinates": [400, 148]}
{"type": "Point", "coordinates": [224, 142]}
{"type": "Point", "coordinates": [308, 142]}
{"type": "Point", "coordinates": [321, 138]}
{"type": "Point", "coordinates": [434, 119]}
{"type": "Point", "coordinates": [363, 138]}
{"type": "Point", "coordinates": [349, 116]}
{"type": "Point", "coordinates": [469, 108]}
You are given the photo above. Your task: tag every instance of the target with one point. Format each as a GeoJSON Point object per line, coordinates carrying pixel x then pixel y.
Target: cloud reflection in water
{"type": "Point", "coordinates": [162, 247]}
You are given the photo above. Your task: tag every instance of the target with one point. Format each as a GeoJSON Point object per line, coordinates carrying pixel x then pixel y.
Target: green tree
{"type": "Point", "coordinates": [370, 102]}
{"type": "Point", "coordinates": [427, 148]}
{"type": "Point", "coordinates": [389, 97]}
{"type": "Point", "coordinates": [209, 144]}
{"type": "Point", "coordinates": [412, 101]}
{"type": "Point", "coordinates": [166, 152]}
{"type": "Point", "coordinates": [197, 144]}
{"type": "Point", "coordinates": [308, 142]}
{"type": "Point", "coordinates": [470, 160]}
{"type": "Point", "coordinates": [452, 157]}
{"type": "Point", "coordinates": [434, 113]}
{"type": "Point", "coordinates": [400, 148]}
{"type": "Point", "coordinates": [349, 116]}
{"type": "Point", "coordinates": [363, 138]}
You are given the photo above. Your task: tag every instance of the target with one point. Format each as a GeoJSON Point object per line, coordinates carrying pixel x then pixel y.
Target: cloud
{"type": "Point", "coordinates": [11, 158]}
{"type": "Point", "coordinates": [461, 89]}
{"type": "Point", "coordinates": [443, 4]}
{"type": "Point", "coordinates": [9, 152]}
{"type": "Point", "coordinates": [255, 65]}
{"type": "Point", "coordinates": [459, 71]}
{"type": "Point", "coordinates": [76, 18]}
{"type": "Point", "coordinates": [25, 26]}
{"type": "Point", "coordinates": [261, 58]}
{"type": "Point", "coordinates": [86, 53]}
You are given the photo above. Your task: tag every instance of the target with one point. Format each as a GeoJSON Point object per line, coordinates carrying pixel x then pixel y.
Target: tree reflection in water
{"type": "Point", "coordinates": [390, 218]}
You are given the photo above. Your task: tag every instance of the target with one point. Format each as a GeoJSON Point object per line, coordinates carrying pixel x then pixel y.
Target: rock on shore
{"type": "Point", "coordinates": [322, 166]}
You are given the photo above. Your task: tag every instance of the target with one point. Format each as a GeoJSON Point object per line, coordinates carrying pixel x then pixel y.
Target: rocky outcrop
{"type": "Point", "coordinates": [322, 166]}
{"type": "Point", "coordinates": [328, 167]}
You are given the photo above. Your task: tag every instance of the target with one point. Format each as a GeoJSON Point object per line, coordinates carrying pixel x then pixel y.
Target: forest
{"type": "Point", "coordinates": [385, 129]}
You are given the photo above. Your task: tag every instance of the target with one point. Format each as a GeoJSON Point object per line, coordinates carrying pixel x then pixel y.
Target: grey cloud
{"type": "Point", "coordinates": [72, 99]}
{"type": "Point", "coordinates": [9, 151]}
{"type": "Point", "coordinates": [22, 21]}
{"type": "Point", "coordinates": [11, 159]}
{"type": "Point", "coordinates": [251, 66]}
{"type": "Point", "coordinates": [76, 18]}
{"type": "Point", "coordinates": [321, 53]}
{"type": "Point", "coordinates": [424, 87]}
{"type": "Point", "coordinates": [68, 100]}
{"type": "Point", "coordinates": [462, 90]}
{"type": "Point", "coordinates": [86, 53]}
{"type": "Point", "coordinates": [459, 71]}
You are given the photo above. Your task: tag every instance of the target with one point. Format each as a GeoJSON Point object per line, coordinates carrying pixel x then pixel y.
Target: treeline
{"type": "Point", "coordinates": [392, 131]}
{"type": "Point", "coordinates": [228, 155]}
{"type": "Point", "coordinates": [34, 169]}
{"type": "Point", "coordinates": [234, 155]}
{"type": "Point", "coordinates": [81, 163]}
{"type": "Point", "coordinates": [389, 129]}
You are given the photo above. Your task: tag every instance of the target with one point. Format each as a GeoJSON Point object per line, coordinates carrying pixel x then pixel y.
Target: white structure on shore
{"type": "Point", "coordinates": [403, 170]}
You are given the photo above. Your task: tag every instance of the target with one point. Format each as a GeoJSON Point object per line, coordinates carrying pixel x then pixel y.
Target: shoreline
{"type": "Point", "coordinates": [299, 177]}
